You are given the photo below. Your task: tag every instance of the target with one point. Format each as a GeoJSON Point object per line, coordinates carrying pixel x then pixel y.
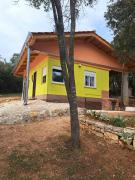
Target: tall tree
{"type": "Point", "coordinates": [14, 59]}
{"type": "Point", "coordinates": [63, 11]}
{"type": "Point", "coordinates": [9, 83]}
{"type": "Point", "coordinates": [120, 17]}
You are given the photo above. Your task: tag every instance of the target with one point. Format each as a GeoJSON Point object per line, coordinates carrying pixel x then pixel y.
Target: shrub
{"type": "Point", "coordinates": [118, 121]}
{"type": "Point", "coordinates": [126, 137]}
{"type": "Point", "coordinates": [115, 121]}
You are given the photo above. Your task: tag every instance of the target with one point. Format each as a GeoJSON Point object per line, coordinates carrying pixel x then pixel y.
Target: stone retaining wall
{"type": "Point", "coordinates": [118, 135]}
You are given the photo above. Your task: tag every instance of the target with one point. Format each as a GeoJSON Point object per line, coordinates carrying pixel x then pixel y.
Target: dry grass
{"type": "Point", "coordinates": [40, 151]}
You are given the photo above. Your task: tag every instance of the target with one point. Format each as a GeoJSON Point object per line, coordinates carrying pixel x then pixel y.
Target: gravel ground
{"type": "Point", "coordinates": [15, 112]}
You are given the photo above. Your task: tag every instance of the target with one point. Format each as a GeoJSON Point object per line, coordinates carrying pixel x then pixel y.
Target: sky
{"type": "Point", "coordinates": [17, 20]}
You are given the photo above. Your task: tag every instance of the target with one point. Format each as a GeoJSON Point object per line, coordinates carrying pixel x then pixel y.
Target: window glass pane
{"type": "Point", "coordinates": [92, 81]}
{"type": "Point", "coordinates": [57, 76]}
{"type": "Point", "coordinates": [44, 79]}
{"type": "Point", "coordinates": [86, 80]}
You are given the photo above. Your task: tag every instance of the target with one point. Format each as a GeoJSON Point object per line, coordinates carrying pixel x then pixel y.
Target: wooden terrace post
{"type": "Point", "coordinates": [27, 76]}
{"type": "Point", "coordinates": [125, 89]}
{"type": "Point", "coordinates": [23, 90]}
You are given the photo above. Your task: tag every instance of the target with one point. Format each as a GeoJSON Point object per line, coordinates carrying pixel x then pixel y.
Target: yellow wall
{"type": "Point", "coordinates": [41, 88]}
{"type": "Point", "coordinates": [102, 80]}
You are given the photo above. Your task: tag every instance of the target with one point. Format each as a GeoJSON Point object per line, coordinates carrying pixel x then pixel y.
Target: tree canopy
{"type": "Point", "coordinates": [8, 82]}
{"type": "Point", "coordinates": [120, 17]}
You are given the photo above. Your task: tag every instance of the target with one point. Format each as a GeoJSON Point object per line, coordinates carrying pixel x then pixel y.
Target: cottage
{"type": "Point", "coordinates": [39, 65]}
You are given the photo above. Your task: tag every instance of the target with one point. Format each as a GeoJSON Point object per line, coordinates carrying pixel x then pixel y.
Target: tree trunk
{"type": "Point", "coordinates": [67, 64]}
{"type": "Point", "coordinates": [75, 129]}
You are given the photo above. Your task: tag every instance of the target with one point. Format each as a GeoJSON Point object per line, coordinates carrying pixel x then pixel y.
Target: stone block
{"type": "Point", "coordinates": [134, 142]}
{"type": "Point", "coordinates": [97, 129]}
{"type": "Point", "coordinates": [121, 143]}
{"type": "Point", "coordinates": [99, 134]}
{"type": "Point", "coordinates": [108, 128]}
{"type": "Point", "coordinates": [129, 130]}
{"type": "Point", "coordinates": [117, 130]}
{"type": "Point", "coordinates": [111, 136]}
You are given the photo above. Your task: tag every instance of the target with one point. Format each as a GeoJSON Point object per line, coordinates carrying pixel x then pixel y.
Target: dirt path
{"type": "Point", "coordinates": [37, 151]}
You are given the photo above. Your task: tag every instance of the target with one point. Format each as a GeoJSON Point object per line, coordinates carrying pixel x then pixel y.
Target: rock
{"type": "Point", "coordinates": [121, 143]}
{"type": "Point", "coordinates": [117, 130]}
{"type": "Point", "coordinates": [129, 146]}
{"type": "Point", "coordinates": [60, 112]}
{"type": "Point", "coordinates": [111, 136]}
{"type": "Point", "coordinates": [97, 129]}
{"type": "Point", "coordinates": [108, 128]}
{"type": "Point", "coordinates": [33, 115]}
{"type": "Point", "coordinates": [90, 122]}
{"type": "Point", "coordinates": [129, 130]}
{"type": "Point", "coordinates": [81, 111]}
{"type": "Point", "coordinates": [44, 114]}
{"type": "Point", "coordinates": [134, 142]}
{"type": "Point", "coordinates": [100, 125]}
{"type": "Point", "coordinates": [25, 117]}
{"type": "Point", "coordinates": [97, 133]}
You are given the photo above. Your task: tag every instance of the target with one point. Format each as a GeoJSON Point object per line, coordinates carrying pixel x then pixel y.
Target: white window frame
{"type": "Point", "coordinates": [44, 73]}
{"type": "Point", "coordinates": [90, 74]}
{"type": "Point", "coordinates": [57, 68]}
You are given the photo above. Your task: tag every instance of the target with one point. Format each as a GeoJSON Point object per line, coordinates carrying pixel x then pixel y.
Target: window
{"type": "Point", "coordinates": [44, 75]}
{"type": "Point", "coordinates": [57, 76]}
{"type": "Point", "coordinates": [90, 79]}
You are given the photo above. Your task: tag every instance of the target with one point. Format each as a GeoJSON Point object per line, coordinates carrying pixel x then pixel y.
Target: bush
{"type": "Point", "coordinates": [115, 121]}
{"type": "Point", "coordinates": [118, 121]}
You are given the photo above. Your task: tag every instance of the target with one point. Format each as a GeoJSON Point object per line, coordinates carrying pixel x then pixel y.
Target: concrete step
{"type": "Point", "coordinates": [130, 109]}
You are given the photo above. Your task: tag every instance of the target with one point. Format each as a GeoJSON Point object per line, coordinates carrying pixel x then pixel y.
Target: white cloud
{"type": "Point", "coordinates": [17, 20]}
{"type": "Point", "coordinates": [93, 19]}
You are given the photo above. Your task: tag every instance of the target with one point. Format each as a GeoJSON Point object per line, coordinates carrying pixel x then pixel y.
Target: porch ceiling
{"type": "Point", "coordinates": [22, 65]}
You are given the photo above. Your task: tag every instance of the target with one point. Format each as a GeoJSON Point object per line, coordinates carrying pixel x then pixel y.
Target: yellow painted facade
{"type": "Point", "coordinates": [102, 80]}
{"type": "Point", "coordinates": [41, 88]}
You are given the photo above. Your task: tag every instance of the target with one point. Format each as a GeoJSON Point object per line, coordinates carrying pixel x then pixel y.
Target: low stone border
{"type": "Point", "coordinates": [32, 116]}
{"type": "Point", "coordinates": [118, 135]}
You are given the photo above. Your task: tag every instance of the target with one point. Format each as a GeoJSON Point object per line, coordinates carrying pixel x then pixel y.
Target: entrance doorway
{"type": "Point", "coordinates": [34, 78]}
{"type": "Point", "coordinates": [115, 79]}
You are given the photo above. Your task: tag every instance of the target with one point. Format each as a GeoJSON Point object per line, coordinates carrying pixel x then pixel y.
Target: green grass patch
{"type": "Point", "coordinates": [26, 162]}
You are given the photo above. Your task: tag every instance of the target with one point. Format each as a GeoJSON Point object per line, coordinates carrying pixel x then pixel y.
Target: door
{"type": "Point", "coordinates": [34, 85]}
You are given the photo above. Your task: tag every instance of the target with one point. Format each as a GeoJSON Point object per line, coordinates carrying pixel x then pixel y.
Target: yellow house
{"type": "Point", "coordinates": [94, 60]}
